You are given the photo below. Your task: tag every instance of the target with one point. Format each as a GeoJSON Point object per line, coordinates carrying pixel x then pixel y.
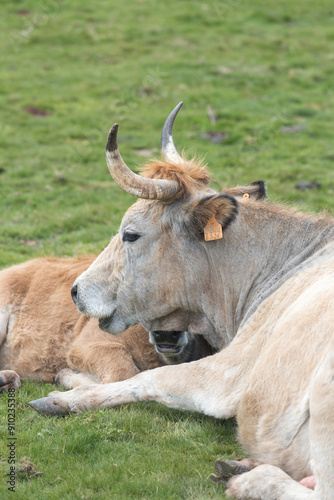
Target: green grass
{"type": "Point", "coordinates": [135, 451]}
{"type": "Point", "coordinates": [85, 65]}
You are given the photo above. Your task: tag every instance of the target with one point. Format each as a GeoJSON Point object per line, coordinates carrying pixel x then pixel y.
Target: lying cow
{"type": "Point", "coordinates": [44, 337]}
{"type": "Point", "coordinates": [266, 288]}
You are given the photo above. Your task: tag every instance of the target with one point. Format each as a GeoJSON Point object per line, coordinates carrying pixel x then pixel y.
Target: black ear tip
{"type": "Point", "coordinates": [234, 209]}
{"type": "Point", "coordinates": [232, 199]}
{"type": "Point", "coordinates": [262, 193]}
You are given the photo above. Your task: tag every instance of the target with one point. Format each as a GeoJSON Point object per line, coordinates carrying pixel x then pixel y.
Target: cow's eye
{"type": "Point", "coordinates": [130, 236]}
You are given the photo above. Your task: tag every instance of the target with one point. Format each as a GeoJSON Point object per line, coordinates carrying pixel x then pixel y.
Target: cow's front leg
{"type": "Point", "coordinates": [211, 385]}
{"type": "Point", "coordinates": [9, 380]}
{"type": "Point", "coordinates": [86, 397]}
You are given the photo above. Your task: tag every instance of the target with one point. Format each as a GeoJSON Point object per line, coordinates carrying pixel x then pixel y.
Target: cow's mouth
{"type": "Point", "coordinates": [169, 343]}
{"type": "Point", "coordinates": [168, 349]}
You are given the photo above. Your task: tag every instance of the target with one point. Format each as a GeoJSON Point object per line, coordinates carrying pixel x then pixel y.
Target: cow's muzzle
{"type": "Point", "coordinates": [169, 342]}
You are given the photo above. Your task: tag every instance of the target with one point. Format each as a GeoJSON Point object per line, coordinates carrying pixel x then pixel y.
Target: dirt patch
{"type": "Point", "coordinates": [23, 12]}
{"type": "Point", "coordinates": [33, 110]}
{"type": "Point", "coordinates": [27, 469]}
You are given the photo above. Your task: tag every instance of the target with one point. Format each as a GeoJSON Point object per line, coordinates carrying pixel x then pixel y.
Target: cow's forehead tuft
{"type": "Point", "coordinates": [191, 175]}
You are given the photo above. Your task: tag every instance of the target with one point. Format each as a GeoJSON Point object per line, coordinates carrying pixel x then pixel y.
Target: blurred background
{"type": "Point", "coordinates": [256, 79]}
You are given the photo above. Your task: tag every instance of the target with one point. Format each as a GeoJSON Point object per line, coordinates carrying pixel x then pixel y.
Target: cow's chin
{"type": "Point", "coordinates": [113, 324]}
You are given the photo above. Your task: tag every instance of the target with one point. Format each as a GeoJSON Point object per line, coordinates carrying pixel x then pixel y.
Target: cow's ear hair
{"type": "Point", "coordinates": [222, 207]}
{"type": "Point", "coordinates": [256, 191]}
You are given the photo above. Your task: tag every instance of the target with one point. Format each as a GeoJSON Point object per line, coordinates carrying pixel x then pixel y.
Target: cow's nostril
{"type": "Point", "coordinates": [157, 336]}
{"type": "Point", "coordinates": [74, 293]}
{"type": "Point", "coordinates": [176, 336]}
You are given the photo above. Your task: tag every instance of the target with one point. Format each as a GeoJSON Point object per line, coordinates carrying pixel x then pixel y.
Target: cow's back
{"type": "Point", "coordinates": [33, 296]}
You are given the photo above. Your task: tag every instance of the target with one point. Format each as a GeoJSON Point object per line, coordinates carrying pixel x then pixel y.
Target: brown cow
{"type": "Point", "coordinates": [266, 288]}
{"type": "Point", "coordinates": [42, 333]}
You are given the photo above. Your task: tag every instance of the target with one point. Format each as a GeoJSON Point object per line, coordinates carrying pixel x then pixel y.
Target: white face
{"type": "Point", "coordinates": [148, 274]}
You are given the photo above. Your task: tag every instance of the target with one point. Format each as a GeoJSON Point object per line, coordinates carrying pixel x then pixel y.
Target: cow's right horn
{"type": "Point", "coordinates": [142, 187]}
{"type": "Point", "coordinates": [168, 148]}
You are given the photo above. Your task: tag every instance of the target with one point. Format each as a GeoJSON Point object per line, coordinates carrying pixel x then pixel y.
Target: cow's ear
{"type": "Point", "coordinates": [222, 207]}
{"type": "Point", "coordinates": [256, 191]}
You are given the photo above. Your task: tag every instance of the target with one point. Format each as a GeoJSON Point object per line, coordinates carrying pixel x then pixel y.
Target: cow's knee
{"type": "Point", "coordinates": [9, 380]}
{"type": "Point", "coordinates": [70, 378]}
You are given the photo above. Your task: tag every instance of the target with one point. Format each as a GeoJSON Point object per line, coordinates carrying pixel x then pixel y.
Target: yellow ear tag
{"type": "Point", "coordinates": [213, 230]}
{"type": "Point", "coordinates": [246, 195]}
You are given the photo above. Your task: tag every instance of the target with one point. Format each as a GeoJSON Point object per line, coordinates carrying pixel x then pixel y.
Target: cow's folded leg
{"type": "Point", "coordinates": [184, 387]}
{"type": "Point", "coordinates": [71, 378]}
{"type": "Point", "coordinates": [9, 380]}
{"type": "Point", "coordinates": [267, 482]}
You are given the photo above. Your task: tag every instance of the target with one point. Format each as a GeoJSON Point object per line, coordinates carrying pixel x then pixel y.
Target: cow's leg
{"type": "Point", "coordinates": [9, 380]}
{"type": "Point", "coordinates": [211, 385]}
{"type": "Point", "coordinates": [267, 482]}
{"type": "Point", "coordinates": [70, 378]}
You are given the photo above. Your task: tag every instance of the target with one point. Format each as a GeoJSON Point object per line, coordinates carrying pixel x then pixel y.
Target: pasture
{"type": "Point", "coordinates": [257, 84]}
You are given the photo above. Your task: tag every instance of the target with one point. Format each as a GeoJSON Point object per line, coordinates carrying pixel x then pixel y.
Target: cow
{"type": "Point", "coordinates": [43, 337]}
{"type": "Point", "coordinates": [256, 279]}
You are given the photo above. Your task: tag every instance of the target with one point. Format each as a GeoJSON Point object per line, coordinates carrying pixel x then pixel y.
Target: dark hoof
{"type": "Point", "coordinates": [57, 379]}
{"type": "Point", "coordinates": [226, 469]}
{"type": "Point", "coordinates": [9, 380]}
{"type": "Point", "coordinates": [3, 386]}
{"type": "Point", "coordinates": [45, 406]}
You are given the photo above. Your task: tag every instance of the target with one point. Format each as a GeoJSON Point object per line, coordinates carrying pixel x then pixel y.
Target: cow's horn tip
{"type": "Point", "coordinates": [112, 138]}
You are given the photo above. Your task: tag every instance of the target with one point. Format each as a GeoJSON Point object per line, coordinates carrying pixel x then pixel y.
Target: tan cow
{"type": "Point", "coordinates": [42, 333]}
{"type": "Point", "coordinates": [266, 288]}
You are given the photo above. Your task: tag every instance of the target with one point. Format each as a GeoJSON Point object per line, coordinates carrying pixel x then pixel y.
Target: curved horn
{"type": "Point", "coordinates": [142, 187]}
{"type": "Point", "coordinates": [168, 149]}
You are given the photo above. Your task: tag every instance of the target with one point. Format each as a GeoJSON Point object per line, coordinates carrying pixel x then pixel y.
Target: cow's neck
{"type": "Point", "coordinates": [258, 253]}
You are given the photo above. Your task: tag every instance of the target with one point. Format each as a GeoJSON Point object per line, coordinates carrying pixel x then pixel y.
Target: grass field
{"type": "Point", "coordinates": [256, 77]}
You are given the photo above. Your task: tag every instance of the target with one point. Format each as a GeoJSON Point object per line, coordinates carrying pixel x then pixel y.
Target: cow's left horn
{"type": "Point", "coordinates": [142, 187]}
{"type": "Point", "coordinates": [168, 148]}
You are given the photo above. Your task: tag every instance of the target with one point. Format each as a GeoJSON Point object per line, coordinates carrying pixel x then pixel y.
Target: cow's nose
{"type": "Point", "coordinates": [157, 336]}
{"type": "Point", "coordinates": [176, 336]}
{"type": "Point", "coordinates": [74, 293]}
